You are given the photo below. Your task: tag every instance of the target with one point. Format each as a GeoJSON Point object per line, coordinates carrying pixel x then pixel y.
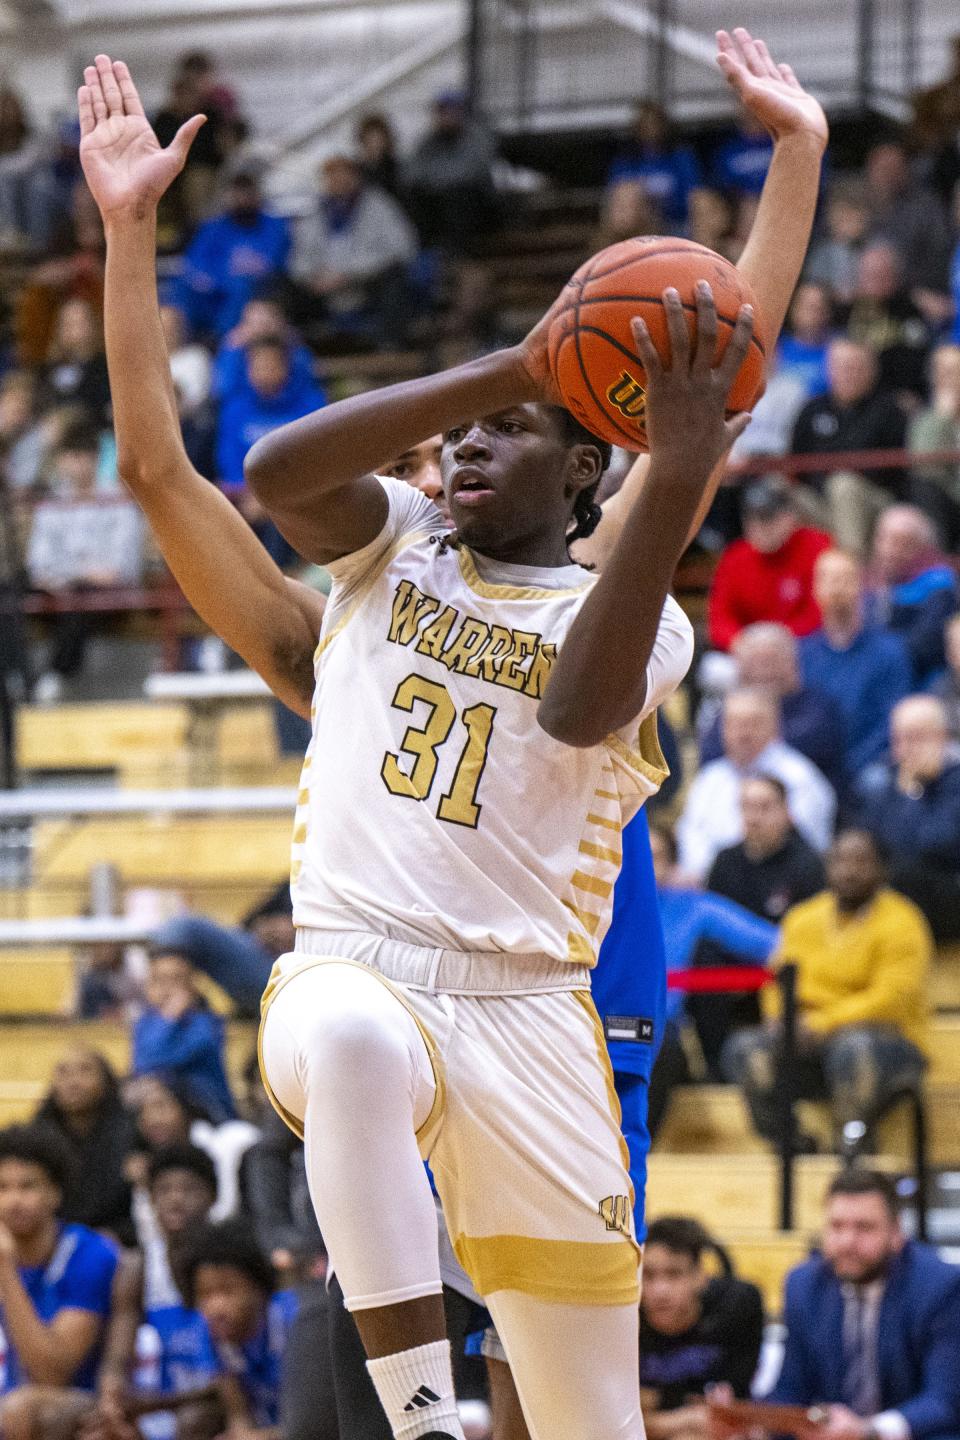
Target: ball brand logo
{"type": "Point", "coordinates": [629, 396]}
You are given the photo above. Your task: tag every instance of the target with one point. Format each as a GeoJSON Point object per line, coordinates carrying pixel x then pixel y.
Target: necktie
{"type": "Point", "coordinates": [860, 1374]}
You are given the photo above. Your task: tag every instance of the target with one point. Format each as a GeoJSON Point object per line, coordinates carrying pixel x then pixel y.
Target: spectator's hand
{"type": "Point", "coordinates": [771, 92]}
{"type": "Point", "coordinates": [125, 167]}
{"type": "Point", "coordinates": [282, 1260]}
{"type": "Point", "coordinates": [946, 400]}
{"type": "Point", "coordinates": [843, 1424]}
{"type": "Point", "coordinates": [328, 282]}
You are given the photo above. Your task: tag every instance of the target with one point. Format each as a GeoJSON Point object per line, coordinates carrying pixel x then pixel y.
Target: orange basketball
{"type": "Point", "coordinates": [592, 352]}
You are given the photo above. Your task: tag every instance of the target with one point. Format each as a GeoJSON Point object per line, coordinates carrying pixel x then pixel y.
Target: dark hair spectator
{"type": "Point", "coordinates": [855, 414]}
{"type": "Point", "coordinates": [652, 158]}
{"type": "Point", "coordinates": [905, 1368]}
{"type": "Point", "coordinates": [232, 258]}
{"type": "Point", "coordinates": [377, 152]}
{"type": "Point", "coordinates": [85, 1108]}
{"type": "Point", "coordinates": [772, 867]}
{"type": "Point", "coordinates": [768, 575]}
{"type": "Point", "coordinates": [697, 1331]}
{"type": "Point", "coordinates": [907, 215]}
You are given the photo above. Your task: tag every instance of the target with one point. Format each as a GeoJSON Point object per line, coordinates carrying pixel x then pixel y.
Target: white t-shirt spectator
{"type": "Point", "coordinates": [711, 819]}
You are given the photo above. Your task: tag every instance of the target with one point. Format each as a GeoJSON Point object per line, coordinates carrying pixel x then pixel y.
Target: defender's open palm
{"type": "Point", "coordinates": [122, 159]}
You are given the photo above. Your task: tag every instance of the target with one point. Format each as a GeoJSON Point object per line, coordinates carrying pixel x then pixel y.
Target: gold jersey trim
{"type": "Point", "coordinates": [491, 591]}
{"type": "Point", "coordinates": [647, 759]}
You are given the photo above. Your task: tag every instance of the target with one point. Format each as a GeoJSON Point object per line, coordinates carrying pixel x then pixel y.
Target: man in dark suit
{"type": "Point", "coordinates": [873, 1324]}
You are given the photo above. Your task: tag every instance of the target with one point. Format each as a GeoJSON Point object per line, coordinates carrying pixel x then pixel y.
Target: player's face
{"type": "Point", "coordinates": [28, 1198]}
{"type": "Point", "coordinates": [672, 1283]}
{"type": "Point", "coordinates": [228, 1300]}
{"type": "Point", "coordinates": [180, 1199]}
{"type": "Point", "coordinates": [420, 467]}
{"type": "Point", "coordinates": [860, 1237]}
{"type": "Point", "coordinates": [511, 480]}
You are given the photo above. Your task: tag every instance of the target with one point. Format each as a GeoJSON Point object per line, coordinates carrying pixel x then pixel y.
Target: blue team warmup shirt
{"type": "Point", "coordinates": [630, 992]}
{"type": "Point", "coordinates": [175, 1354]}
{"type": "Point", "coordinates": [257, 1364]}
{"type": "Point", "coordinates": [78, 1276]}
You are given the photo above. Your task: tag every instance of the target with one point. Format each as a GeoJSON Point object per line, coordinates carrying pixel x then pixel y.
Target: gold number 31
{"type": "Point", "coordinates": [459, 805]}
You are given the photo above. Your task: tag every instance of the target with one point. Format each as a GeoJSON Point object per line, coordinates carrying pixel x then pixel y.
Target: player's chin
{"type": "Point", "coordinates": [474, 521]}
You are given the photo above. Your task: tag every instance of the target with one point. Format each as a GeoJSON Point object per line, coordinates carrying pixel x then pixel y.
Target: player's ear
{"type": "Point", "coordinates": [584, 467]}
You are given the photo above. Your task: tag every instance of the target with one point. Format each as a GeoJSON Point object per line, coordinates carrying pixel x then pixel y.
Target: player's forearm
{"type": "Point", "coordinates": [599, 680]}
{"type": "Point", "coordinates": [774, 254]}
{"type": "Point", "coordinates": [42, 1359]}
{"type": "Point", "coordinates": [343, 442]}
{"type": "Point", "coordinates": [149, 441]}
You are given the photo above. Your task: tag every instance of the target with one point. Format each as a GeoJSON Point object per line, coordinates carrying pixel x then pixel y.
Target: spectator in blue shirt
{"type": "Point", "coordinates": [178, 1034]}
{"type": "Point", "coordinates": [666, 171]}
{"type": "Point", "coordinates": [802, 348]}
{"type": "Point", "coordinates": [914, 812]}
{"type": "Point", "coordinates": [690, 916]}
{"type": "Point", "coordinates": [917, 591]}
{"type": "Point", "coordinates": [811, 719]}
{"type": "Point", "coordinates": [262, 319]}
{"type": "Point", "coordinates": [232, 258]}
{"type": "Point", "coordinates": [271, 393]}
{"type": "Point", "coordinates": [229, 1280]}
{"type": "Point", "coordinates": [864, 667]}
{"type": "Point", "coordinates": [55, 1284]}
{"type": "Point", "coordinates": [160, 1346]}
{"type": "Point", "coordinates": [740, 164]}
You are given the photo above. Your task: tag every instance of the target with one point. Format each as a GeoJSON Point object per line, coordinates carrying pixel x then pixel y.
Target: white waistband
{"type": "Point", "coordinates": [454, 972]}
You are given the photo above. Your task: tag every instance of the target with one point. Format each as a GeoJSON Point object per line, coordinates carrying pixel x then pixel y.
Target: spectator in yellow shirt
{"type": "Point", "coordinates": [861, 953]}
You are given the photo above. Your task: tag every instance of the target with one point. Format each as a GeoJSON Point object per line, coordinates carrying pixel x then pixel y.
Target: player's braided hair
{"type": "Point", "coordinates": [586, 512]}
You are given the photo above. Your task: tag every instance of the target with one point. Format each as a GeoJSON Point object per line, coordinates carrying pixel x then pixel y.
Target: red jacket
{"type": "Point", "coordinates": [749, 586]}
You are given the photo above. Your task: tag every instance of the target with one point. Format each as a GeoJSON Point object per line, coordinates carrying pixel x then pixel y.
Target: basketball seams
{"type": "Point", "coordinates": [652, 300]}
{"type": "Point", "coordinates": [634, 438]}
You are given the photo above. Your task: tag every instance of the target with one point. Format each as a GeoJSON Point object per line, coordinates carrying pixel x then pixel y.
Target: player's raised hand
{"type": "Point", "coordinates": [686, 398]}
{"type": "Point", "coordinates": [125, 166]}
{"type": "Point", "coordinates": [769, 91]}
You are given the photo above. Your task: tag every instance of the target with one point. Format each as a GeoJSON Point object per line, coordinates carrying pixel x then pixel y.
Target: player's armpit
{"type": "Point", "coordinates": [232, 583]}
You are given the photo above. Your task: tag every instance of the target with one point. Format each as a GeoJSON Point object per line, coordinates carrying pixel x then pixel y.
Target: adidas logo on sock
{"type": "Point", "coordinates": [421, 1399]}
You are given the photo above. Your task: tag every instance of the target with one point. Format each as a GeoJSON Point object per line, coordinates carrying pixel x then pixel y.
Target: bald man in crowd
{"type": "Point", "coordinates": [752, 745]}
{"type": "Point", "coordinates": [766, 657]}
{"type": "Point", "coordinates": [915, 813]}
{"type": "Point", "coordinates": [863, 666]}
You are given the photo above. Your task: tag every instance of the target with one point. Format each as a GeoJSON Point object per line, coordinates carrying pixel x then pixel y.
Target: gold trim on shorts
{"type": "Point", "coordinates": [426, 1132]}
{"type": "Point", "coordinates": [570, 1271]}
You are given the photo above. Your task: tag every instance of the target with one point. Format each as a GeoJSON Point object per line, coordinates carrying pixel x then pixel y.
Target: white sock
{"type": "Point", "coordinates": [416, 1391]}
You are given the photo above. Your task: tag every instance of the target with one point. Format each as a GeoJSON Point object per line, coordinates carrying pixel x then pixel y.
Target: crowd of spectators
{"type": "Point", "coordinates": [819, 825]}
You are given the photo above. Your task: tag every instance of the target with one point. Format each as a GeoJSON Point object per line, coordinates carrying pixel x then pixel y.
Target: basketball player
{"type": "Point", "coordinates": [480, 972]}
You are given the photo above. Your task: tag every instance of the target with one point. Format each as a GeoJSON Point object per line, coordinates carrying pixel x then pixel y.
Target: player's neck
{"type": "Point", "coordinates": [538, 552]}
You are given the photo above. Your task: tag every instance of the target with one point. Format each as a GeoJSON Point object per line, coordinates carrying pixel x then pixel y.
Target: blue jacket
{"type": "Point", "coordinates": [190, 1048]}
{"type": "Point", "coordinates": [921, 827]}
{"type": "Point", "coordinates": [866, 680]}
{"type": "Point", "coordinates": [918, 1341]}
{"type": "Point", "coordinates": [227, 264]}
{"type": "Point", "coordinates": [918, 610]}
{"type": "Point", "coordinates": [667, 176]}
{"type": "Point", "coordinates": [246, 415]}
{"type": "Point", "coordinates": [690, 916]}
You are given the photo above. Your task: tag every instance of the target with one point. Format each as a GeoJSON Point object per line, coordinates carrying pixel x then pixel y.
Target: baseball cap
{"type": "Point", "coordinates": [766, 498]}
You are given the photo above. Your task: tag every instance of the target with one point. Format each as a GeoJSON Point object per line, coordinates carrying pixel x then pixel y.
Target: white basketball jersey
{"type": "Point", "coordinates": [433, 808]}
